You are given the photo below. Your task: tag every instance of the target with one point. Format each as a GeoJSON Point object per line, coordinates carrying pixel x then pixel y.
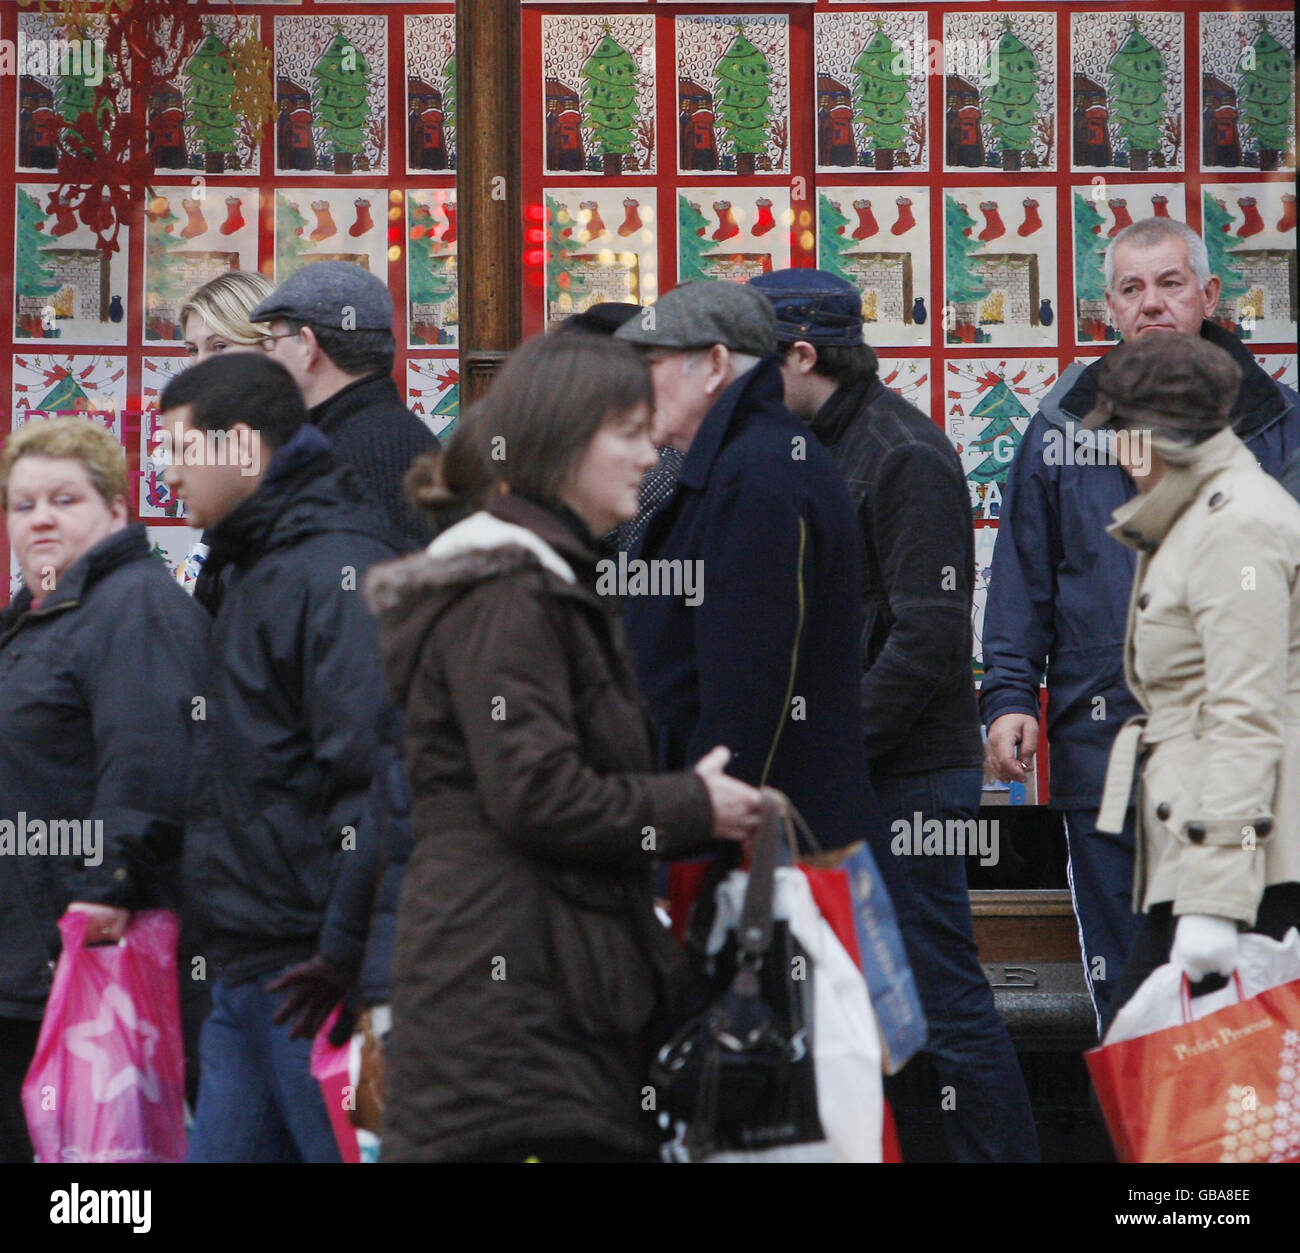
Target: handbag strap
{"type": "Point", "coordinates": [754, 931]}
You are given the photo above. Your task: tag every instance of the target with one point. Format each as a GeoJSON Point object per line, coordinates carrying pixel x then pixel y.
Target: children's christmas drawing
{"type": "Point", "coordinates": [431, 92]}
{"type": "Point", "coordinates": [1248, 91]}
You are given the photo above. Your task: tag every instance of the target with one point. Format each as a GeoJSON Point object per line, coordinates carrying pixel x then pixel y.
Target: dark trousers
{"type": "Point", "coordinates": [1101, 885]}
{"type": "Point", "coordinates": [17, 1048]}
{"type": "Point", "coordinates": [987, 1115]}
{"type": "Point", "coordinates": [1279, 911]}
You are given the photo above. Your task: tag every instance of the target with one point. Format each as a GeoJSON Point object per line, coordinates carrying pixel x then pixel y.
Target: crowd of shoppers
{"type": "Point", "coordinates": [421, 764]}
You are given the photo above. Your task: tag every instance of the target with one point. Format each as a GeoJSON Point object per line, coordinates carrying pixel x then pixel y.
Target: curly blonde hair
{"type": "Point", "coordinates": [225, 302]}
{"type": "Point", "coordinates": [75, 439]}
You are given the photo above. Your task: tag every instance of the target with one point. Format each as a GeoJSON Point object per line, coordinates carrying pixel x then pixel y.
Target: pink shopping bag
{"type": "Point", "coordinates": [330, 1069]}
{"type": "Point", "coordinates": [107, 1083]}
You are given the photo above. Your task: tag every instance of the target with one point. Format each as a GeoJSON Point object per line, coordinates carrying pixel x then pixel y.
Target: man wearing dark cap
{"type": "Point", "coordinates": [1058, 598]}
{"type": "Point", "coordinates": [1212, 656]}
{"type": "Point", "coordinates": [766, 662]}
{"type": "Point", "coordinates": [331, 327]}
{"type": "Point", "coordinates": [919, 718]}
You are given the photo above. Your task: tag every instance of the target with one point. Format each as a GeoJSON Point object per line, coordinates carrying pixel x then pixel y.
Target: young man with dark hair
{"type": "Point", "coordinates": [919, 718]}
{"type": "Point", "coordinates": [284, 740]}
{"type": "Point", "coordinates": [330, 326]}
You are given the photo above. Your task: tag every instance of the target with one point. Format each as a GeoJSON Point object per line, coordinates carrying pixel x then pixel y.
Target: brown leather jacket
{"type": "Point", "coordinates": [528, 962]}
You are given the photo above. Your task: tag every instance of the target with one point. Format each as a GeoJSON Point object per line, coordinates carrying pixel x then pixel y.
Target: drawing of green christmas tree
{"type": "Point", "coordinates": [564, 281]}
{"type": "Point", "coordinates": [209, 83]}
{"type": "Point", "coordinates": [290, 246]}
{"type": "Point", "coordinates": [831, 244]}
{"type": "Point", "coordinates": [745, 99]}
{"type": "Point", "coordinates": [609, 100]}
{"type": "Point", "coordinates": [66, 396]}
{"type": "Point", "coordinates": [74, 96]}
{"type": "Point", "coordinates": [167, 285]}
{"type": "Point", "coordinates": [449, 110]}
{"type": "Point", "coordinates": [342, 81]}
{"type": "Point", "coordinates": [1137, 95]}
{"type": "Point", "coordinates": [1223, 260]}
{"type": "Point", "coordinates": [691, 245]}
{"type": "Point", "coordinates": [1089, 259]}
{"type": "Point", "coordinates": [1000, 436]}
{"type": "Point", "coordinates": [1011, 103]}
{"type": "Point", "coordinates": [33, 279]}
{"type": "Point", "coordinates": [880, 101]}
{"type": "Point", "coordinates": [1266, 96]}
{"type": "Point", "coordinates": [961, 284]}
{"type": "Point", "coordinates": [433, 281]}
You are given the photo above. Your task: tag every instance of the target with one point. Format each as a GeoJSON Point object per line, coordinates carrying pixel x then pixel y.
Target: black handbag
{"type": "Point", "coordinates": [738, 1072]}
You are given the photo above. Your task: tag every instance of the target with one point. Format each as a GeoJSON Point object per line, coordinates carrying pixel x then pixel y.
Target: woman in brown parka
{"type": "Point", "coordinates": [529, 963]}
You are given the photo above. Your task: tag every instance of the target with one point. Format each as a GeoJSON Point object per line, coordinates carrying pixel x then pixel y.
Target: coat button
{"type": "Point", "coordinates": [1263, 826]}
{"type": "Point", "coordinates": [1144, 600]}
{"type": "Point", "coordinates": [1163, 810]}
{"type": "Point", "coordinates": [1129, 533]}
{"type": "Point", "coordinates": [1196, 833]}
{"type": "Point", "coordinates": [119, 874]}
{"type": "Point", "coordinates": [1216, 500]}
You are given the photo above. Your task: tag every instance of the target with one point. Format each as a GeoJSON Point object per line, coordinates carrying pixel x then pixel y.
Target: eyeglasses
{"type": "Point", "coordinates": [268, 341]}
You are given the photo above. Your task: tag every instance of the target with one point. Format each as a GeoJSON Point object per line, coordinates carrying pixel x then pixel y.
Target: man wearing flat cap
{"type": "Point", "coordinates": [1058, 598]}
{"type": "Point", "coordinates": [331, 327]}
{"type": "Point", "coordinates": [766, 662]}
{"type": "Point", "coordinates": [1212, 656]}
{"type": "Point", "coordinates": [919, 718]}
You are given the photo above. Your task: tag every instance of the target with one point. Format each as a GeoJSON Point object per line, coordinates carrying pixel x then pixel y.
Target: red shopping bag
{"type": "Point", "coordinates": [330, 1069]}
{"type": "Point", "coordinates": [1224, 1088]}
{"type": "Point", "coordinates": [107, 1083]}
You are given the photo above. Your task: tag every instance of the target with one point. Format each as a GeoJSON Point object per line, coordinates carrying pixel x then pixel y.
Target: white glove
{"type": "Point", "coordinates": [1204, 945]}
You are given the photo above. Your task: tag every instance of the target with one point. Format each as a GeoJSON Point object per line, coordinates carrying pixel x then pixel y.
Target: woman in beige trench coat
{"type": "Point", "coordinates": [1212, 653]}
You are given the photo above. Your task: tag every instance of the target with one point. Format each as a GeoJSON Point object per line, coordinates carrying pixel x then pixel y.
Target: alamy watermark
{"type": "Point", "coordinates": [53, 58]}
{"type": "Point", "coordinates": [59, 837]}
{"type": "Point", "coordinates": [658, 576]}
{"type": "Point", "coordinates": [1105, 446]}
{"type": "Point", "coordinates": [919, 836]}
{"type": "Point", "coordinates": [174, 444]}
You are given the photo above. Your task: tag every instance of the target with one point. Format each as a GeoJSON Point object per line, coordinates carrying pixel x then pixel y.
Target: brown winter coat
{"type": "Point", "coordinates": [1213, 655]}
{"type": "Point", "coordinates": [528, 958]}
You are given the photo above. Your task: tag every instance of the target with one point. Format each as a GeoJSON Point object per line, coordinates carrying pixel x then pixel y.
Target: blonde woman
{"type": "Point", "coordinates": [215, 317]}
{"type": "Point", "coordinates": [99, 659]}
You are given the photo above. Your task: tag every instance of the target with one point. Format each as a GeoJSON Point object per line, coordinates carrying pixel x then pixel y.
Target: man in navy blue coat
{"type": "Point", "coordinates": [766, 662]}
{"type": "Point", "coordinates": [1059, 592]}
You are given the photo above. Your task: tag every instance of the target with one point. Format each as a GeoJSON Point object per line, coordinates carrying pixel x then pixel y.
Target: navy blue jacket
{"type": "Point", "coordinates": [768, 663]}
{"type": "Point", "coordinates": [1059, 591]}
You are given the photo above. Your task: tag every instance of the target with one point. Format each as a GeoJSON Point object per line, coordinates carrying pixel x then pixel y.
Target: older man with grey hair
{"type": "Point", "coordinates": [1058, 597]}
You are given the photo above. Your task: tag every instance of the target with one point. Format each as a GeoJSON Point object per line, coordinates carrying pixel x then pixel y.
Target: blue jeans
{"type": "Point", "coordinates": [987, 1117]}
{"type": "Point", "coordinates": [258, 1101]}
{"type": "Point", "coordinates": [1101, 886]}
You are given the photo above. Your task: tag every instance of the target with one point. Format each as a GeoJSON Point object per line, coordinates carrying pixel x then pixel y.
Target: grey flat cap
{"type": "Point", "coordinates": [701, 314]}
{"type": "Point", "coordinates": [330, 293]}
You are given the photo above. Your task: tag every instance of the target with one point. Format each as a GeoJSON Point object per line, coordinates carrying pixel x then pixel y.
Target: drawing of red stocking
{"type": "Point", "coordinates": [364, 221]}
{"type": "Point", "coordinates": [867, 225]}
{"type": "Point", "coordinates": [234, 216]}
{"type": "Point", "coordinates": [993, 228]}
{"type": "Point", "coordinates": [67, 220]}
{"type": "Point", "coordinates": [1120, 209]}
{"type": "Point", "coordinates": [449, 235]}
{"type": "Point", "coordinates": [905, 220]}
{"type": "Point", "coordinates": [727, 227]}
{"type": "Point", "coordinates": [1032, 221]}
{"type": "Point", "coordinates": [595, 227]}
{"type": "Point", "coordinates": [1287, 220]}
{"type": "Point", "coordinates": [1160, 206]}
{"type": "Point", "coordinates": [1253, 223]}
{"type": "Point", "coordinates": [196, 224]}
{"type": "Point", "coordinates": [631, 217]}
{"type": "Point", "coordinates": [324, 227]}
{"type": "Point", "coordinates": [766, 221]}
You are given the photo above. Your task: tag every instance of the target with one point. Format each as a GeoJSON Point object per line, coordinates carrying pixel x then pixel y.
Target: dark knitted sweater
{"type": "Point", "coordinates": [378, 436]}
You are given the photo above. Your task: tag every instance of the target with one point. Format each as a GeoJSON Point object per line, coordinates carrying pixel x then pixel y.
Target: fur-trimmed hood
{"type": "Point", "coordinates": [409, 594]}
